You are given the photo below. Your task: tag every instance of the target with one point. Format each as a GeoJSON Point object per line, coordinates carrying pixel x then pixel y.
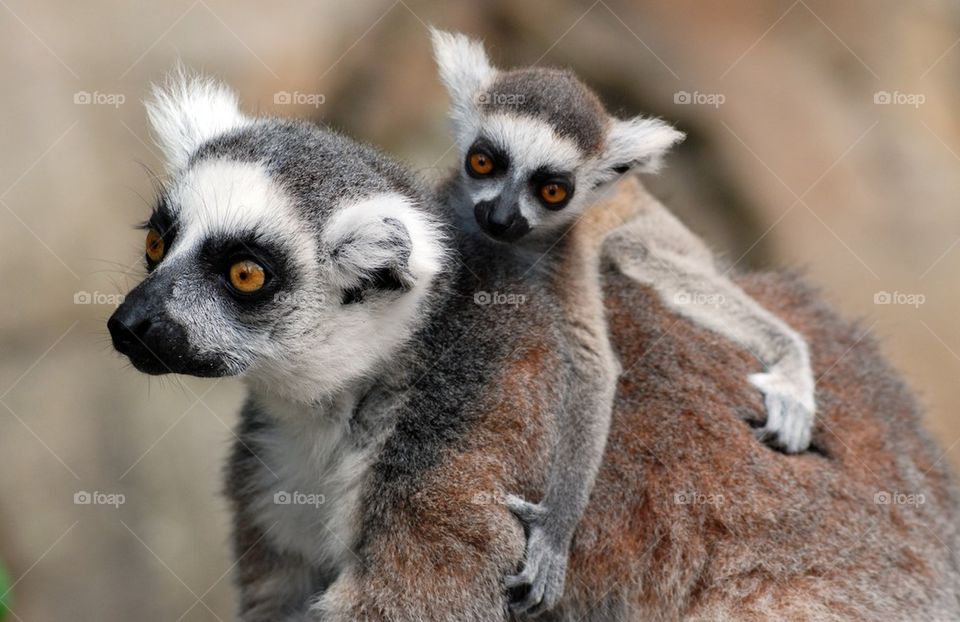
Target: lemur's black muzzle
{"type": "Point", "coordinates": [501, 219]}
{"type": "Point", "coordinates": [143, 331]}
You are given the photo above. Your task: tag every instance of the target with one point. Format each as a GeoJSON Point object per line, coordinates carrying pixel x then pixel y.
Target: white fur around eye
{"type": "Point", "coordinates": [530, 143]}
{"type": "Point", "coordinates": [223, 196]}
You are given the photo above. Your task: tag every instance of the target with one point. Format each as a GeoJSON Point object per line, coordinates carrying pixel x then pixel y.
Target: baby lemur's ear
{"type": "Point", "coordinates": [637, 144]}
{"type": "Point", "coordinates": [464, 68]}
{"type": "Point", "coordinates": [381, 244]}
{"type": "Point", "coordinates": [186, 110]}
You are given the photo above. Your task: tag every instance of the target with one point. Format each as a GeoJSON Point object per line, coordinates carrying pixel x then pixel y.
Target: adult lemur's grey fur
{"type": "Point", "coordinates": [303, 262]}
{"type": "Point", "coordinates": [537, 147]}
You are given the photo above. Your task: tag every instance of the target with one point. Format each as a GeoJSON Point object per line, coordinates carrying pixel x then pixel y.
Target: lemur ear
{"type": "Point", "coordinates": [187, 110]}
{"type": "Point", "coordinates": [464, 68]}
{"type": "Point", "coordinates": [638, 144]}
{"type": "Point", "coordinates": [381, 244]}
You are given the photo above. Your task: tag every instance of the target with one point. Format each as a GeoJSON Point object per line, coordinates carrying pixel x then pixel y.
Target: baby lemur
{"type": "Point", "coordinates": [537, 149]}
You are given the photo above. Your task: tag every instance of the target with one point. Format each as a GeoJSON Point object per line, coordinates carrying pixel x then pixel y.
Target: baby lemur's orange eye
{"type": "Point", "coordinates": [481, 163]}
{"type": "Point", "coordinates": [155, 246]}
{"type": "Point", "coordinates": [247, 276]}
{"type": "Point", "coordinates": [553, 193]}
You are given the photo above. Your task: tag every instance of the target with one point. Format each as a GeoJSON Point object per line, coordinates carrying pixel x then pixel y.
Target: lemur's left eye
{"type": "Point", "coordinates": [480, 163]}
{"type": "Point", "coordinates": [553, 193]}
{"type": "Point", "coordinates": [247, 276]}
{"type": "Point", "coordinates": [155, 247]}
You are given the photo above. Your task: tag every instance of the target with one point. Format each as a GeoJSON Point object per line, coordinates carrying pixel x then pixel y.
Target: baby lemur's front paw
{"type": "Point", "coordinates": [790, 409]}
{"type": "Point", "coordinates": [545, 564]}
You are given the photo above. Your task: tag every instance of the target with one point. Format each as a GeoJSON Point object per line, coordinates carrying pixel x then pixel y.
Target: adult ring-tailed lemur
{"type": "Point", "coordinates": [389, 414]}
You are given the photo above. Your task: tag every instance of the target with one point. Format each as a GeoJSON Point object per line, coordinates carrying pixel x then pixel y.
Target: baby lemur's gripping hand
{"type": "Point", "coordinates": [788, 394]}
{"type": "Point", "coordinates": [545, 565]}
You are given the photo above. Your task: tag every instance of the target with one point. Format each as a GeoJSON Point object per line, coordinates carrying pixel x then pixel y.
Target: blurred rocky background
{"type": "Point", "coordinates": [823, 136]}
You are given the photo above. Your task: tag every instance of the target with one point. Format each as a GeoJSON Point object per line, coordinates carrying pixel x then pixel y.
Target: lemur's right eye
{"type": "Point", "coordinates": [480, 163]}
{"type": "Point", "coordinates": [247, 276]}
{"type": "Point", "coordinates": [553, 193]}
{"type": "Point", "coordinates": [155, 247]}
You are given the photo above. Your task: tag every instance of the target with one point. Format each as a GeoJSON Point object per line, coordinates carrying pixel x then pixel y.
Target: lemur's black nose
{"type": "Point", "coordinates": [501, 220]}
{"type": "Point", "coordinates": [127, 330]}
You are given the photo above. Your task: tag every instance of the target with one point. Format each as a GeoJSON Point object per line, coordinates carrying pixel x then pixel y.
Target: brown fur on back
{"type": "Point", "coordinates": [723, 527]}
{"type": "Point", "coordinates": [691, 517]}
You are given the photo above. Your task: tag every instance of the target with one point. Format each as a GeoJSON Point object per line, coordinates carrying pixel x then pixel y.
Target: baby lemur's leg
{"type": "Point", "coordinates": [582, 433]}
{"type": "Point", "coordinates": [658, 250]}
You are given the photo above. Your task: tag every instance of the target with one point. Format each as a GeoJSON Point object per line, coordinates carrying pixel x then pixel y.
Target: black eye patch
{"type": "Point", "coordinates": [218, 253]}
{"type": "Point", "coordinates": [553, 189]}
{"type": "Point", "coordinates": [162, 221]}
{"type": "Point", "coordinates": [498, 157]}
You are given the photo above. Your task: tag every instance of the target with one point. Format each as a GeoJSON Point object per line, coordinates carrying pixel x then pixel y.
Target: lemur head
{"type": "Point", "coordinates": [536, 144]}
{"type": "Point", "coordinates": [277, 250]}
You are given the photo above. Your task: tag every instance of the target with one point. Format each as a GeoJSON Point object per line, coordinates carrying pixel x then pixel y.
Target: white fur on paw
{"type": "Point", "coordinates": [790, 410]}
{"type": "Point", "coordinates": [544, 572]}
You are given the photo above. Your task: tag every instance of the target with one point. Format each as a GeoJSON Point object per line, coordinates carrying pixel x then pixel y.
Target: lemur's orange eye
{"type": "Point", "coordinates": [553, 193]}
{"type": "Point", "coordinates": [481, 163]}
{"type": "Point", "coordinates": [247, 276]}
{"type": "Point", "coordinates": [155, 246]}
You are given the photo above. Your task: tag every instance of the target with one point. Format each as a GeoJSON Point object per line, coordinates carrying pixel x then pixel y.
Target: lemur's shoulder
{"type": "Point", "coordinates": [627, 200]}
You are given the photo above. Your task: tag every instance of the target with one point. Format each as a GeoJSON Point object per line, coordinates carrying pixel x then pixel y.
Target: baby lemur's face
{"type": "Point", "coordinates": [536, 144]}
{"type": "Point", "coordinates": [278, 251]}
{"type": "Point", "coordinates": [521, 173]}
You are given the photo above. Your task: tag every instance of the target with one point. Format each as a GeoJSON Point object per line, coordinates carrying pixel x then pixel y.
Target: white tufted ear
{"type": "Point", "coordinates": [638, 144]}
{"type": "Point", "coordinates": [383, 243]}
{"type": "Point", "coordinates": [464, 69]}
{"type": "Point", "coordinates": [187, 110]}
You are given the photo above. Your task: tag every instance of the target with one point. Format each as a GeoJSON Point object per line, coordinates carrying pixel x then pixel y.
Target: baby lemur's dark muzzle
{"type": "Point", "coordinates": [501, 219]}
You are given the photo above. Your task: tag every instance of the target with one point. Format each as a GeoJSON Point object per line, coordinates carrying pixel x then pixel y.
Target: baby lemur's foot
{"type": "Point", "coordinates": [545, 564]}
{"type": "Point", "coordinates": [790, 409]}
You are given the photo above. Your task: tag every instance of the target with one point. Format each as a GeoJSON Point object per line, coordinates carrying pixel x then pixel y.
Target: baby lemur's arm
{"type": "Point", "coordinates": [582, 427]}
{"type": "Point", "coordinates": [657, 249]}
